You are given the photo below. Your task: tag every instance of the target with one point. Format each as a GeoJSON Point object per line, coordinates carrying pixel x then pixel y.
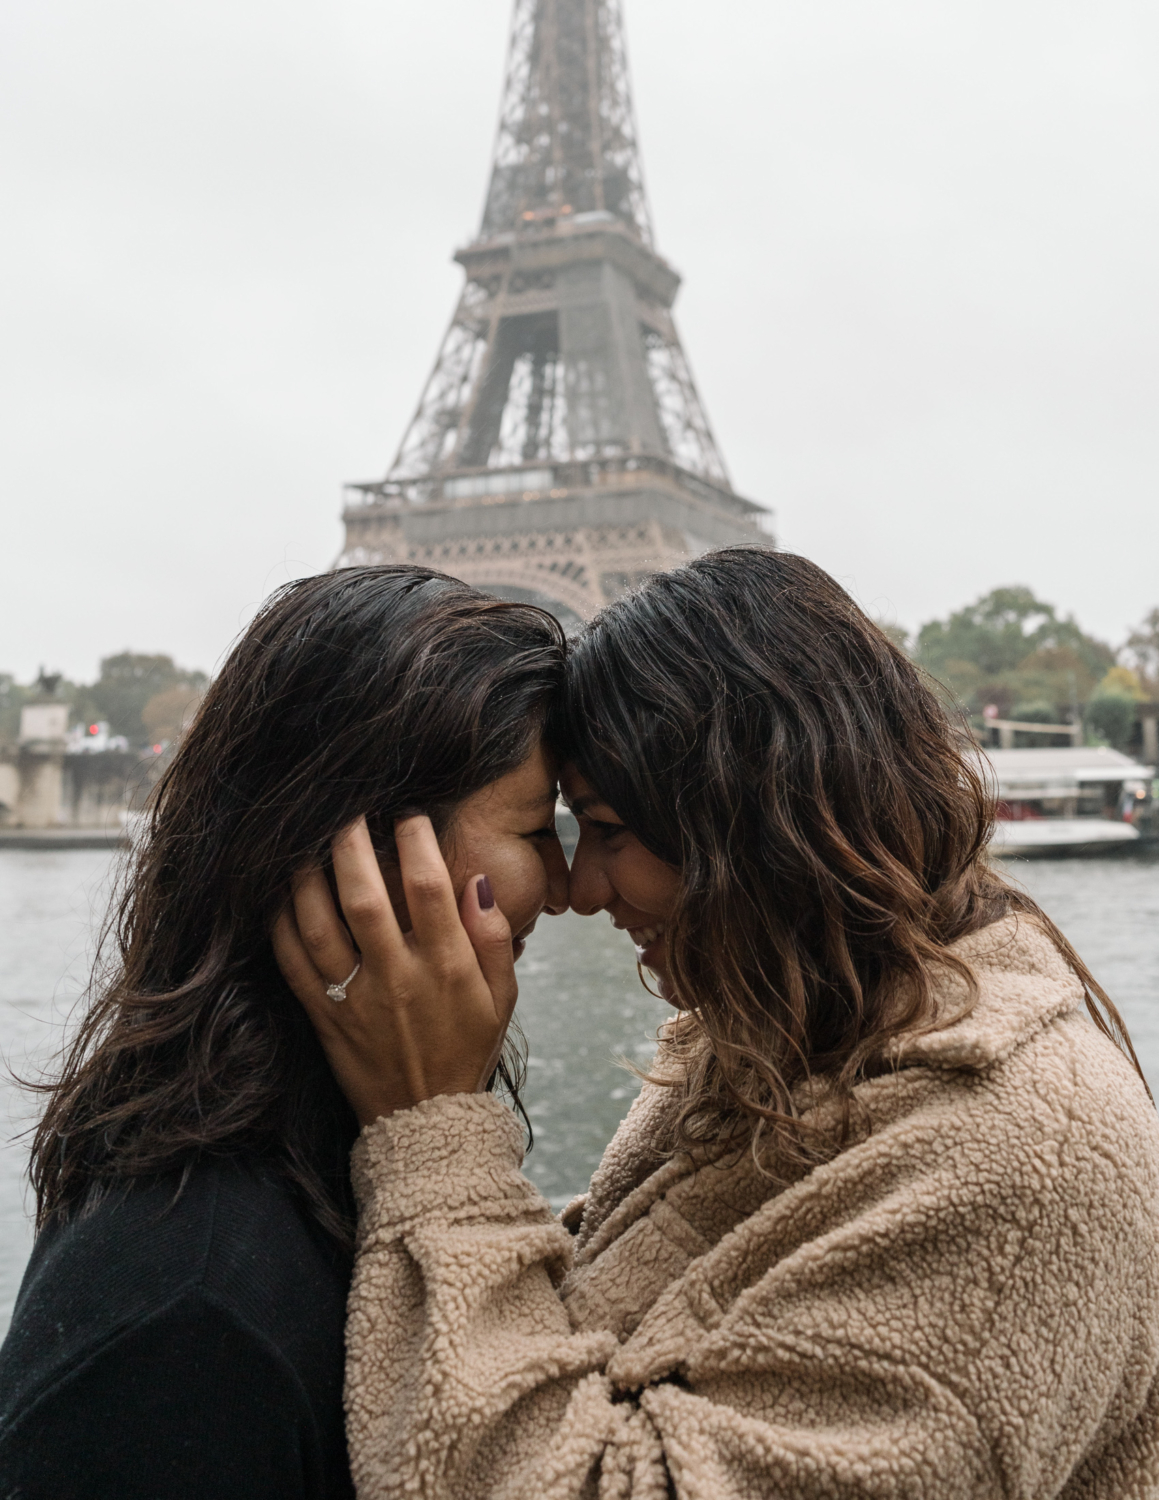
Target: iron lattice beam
{"type": "Point", "coordinates": [562, 346]}
{"type": "Point", "coordinates": [560, 450]}
{"type": "Point", "coordinates": [567, 134]}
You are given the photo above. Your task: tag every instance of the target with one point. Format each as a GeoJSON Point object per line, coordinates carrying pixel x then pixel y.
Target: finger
{"type": "Point", "coordinates": [490, 935]}
{"type": "Point", "coordinates": [295, 963]}
{"type": "Point", "coordinates": [320, 927]}
{"type": "Point", "coordinates": [426, 882]}
{"type": "Point", "coordinates": [365, 899]}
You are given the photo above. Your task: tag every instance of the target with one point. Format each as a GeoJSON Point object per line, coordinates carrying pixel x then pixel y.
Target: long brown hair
{"type": "Point", "coordinates": [755, 729]}
{"type": "Point", "coordinates": [379, 690]}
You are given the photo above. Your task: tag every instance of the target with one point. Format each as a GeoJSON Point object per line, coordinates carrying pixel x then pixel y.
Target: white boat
{"type": "Point", "coordinates": [1067, 801]}
{"type": "Point", "coordinates": [1059, 836]}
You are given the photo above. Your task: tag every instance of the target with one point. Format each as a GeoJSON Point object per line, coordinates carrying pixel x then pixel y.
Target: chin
{"type": "Point", "coordinates": [664, 988]}
{"type": "Point", "coordinates": [666, 992]}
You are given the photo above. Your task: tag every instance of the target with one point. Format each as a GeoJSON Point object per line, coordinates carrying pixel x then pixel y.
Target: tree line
{"type": "Point", "coordinates": [145, 699]}
{"type": "Point", "coordinates": [1014, 651]}
{"type": "Point", "coordinates": [1008, 649]}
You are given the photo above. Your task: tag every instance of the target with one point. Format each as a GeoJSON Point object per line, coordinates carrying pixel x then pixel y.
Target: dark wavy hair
{"type": "Point", "coordinates": [759, 733]}
{"type": "Point", "coordinates": [377, 691]}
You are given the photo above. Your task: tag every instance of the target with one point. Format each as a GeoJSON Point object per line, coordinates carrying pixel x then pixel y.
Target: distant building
{"type": "Point", "coordinates": [57, 782]}
{"type": "Point", "coordinates": [560, 452]}
{"type": "Point", "coordinates": [40, 766]}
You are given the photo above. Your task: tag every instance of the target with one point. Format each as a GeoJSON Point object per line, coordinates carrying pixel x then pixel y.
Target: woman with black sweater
{"type": "Point", "coordinates": [179, 1331]}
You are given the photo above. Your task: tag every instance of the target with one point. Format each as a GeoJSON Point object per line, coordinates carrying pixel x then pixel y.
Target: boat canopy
{"type": "Point", "coordinates": [1028, 775]}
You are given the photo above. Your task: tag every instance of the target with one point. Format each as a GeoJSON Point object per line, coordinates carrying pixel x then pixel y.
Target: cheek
{"type": "Point", "coordinates": [518, 879]}
{"type": "Point", "coordinates": [644, 881]}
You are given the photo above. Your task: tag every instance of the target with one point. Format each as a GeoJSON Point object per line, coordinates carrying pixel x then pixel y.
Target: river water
{"type": "Point", "coordinates": [582, 1007]}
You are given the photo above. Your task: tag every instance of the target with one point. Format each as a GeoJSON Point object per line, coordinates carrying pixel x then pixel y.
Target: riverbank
{"type": "Point", "coordinates": [48, 839]}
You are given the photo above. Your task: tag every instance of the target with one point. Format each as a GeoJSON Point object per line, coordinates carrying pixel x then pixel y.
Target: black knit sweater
{"type": "Point", "coordinates": [188, 1350]}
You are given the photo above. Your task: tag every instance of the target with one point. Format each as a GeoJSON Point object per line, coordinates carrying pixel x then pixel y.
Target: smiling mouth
{"type": "Point", "coordinates": [644, 937]}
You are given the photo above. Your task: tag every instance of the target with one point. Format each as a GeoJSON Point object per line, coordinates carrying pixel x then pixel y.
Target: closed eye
{"type": "Point", "coordinates": [607, 829]}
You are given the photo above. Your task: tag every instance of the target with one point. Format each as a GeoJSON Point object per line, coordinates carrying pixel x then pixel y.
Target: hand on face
{"type": "Point", "coordinates": [427, 1012]}
{"type": "Point", "coordinates": [612, 871]}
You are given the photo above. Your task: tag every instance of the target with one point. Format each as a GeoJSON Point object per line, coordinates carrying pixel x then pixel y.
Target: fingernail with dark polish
{"type": "Point", "coordinates": [485, 893]}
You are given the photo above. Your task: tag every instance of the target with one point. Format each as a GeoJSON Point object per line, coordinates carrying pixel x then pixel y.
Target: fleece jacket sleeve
{"type": "Point", "coordinates": [890, 1327]}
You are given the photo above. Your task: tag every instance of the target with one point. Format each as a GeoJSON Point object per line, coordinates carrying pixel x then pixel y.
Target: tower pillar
{"type": "Point", "coordinates": [40, 765]}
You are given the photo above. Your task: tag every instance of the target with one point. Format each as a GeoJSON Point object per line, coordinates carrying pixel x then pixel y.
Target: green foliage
{"type": "Point", "coordinates": [13, 697]}
{"type": "Point", "coordinates": [126, 684]}
{"type": "Point", "coordinates": [1110, 717]}
{"type": "Point", "coordinates": [1038, 712]}
{"type": "Point", "coordinates": [1011, 649]}
{"type": "Point", "coordinates": [1143, 650]}
{"type": "Point", "coordinates": [999, 631]}
{"type": "Point", "coordinates": [1056, 674]}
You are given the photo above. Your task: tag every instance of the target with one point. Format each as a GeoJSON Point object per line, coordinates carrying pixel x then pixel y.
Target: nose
{"type": "Point", "coordinates": [555, 863]}
{"type": "Point", "coordinates": [589, 888]}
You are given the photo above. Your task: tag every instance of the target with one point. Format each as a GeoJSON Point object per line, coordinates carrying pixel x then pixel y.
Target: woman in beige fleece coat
{"type": "Point", "coordinates": [885, 1219]}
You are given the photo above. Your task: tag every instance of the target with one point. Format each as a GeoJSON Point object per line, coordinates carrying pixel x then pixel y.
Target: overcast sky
{"type": "Point", "coordinates": [918, 237]}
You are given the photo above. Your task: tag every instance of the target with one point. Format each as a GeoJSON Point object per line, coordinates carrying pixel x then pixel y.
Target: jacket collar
{"type": "Point", "coordinates": [1023, 984]}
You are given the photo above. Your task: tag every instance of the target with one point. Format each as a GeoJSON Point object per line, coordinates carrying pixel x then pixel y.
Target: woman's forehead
{"type": "Point", "coordinates": [531, 784]}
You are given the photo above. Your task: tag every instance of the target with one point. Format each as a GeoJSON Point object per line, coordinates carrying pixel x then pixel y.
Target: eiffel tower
{"type": "Point", "coordinates": [560, 452]}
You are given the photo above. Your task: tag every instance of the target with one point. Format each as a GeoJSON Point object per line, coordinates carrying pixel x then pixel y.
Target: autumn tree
{"type": "Point", "coordinates": [129, 681]}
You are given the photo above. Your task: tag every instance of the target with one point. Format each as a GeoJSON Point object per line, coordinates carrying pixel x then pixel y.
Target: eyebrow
{"type": "Point", "coordinates": [548, 798]}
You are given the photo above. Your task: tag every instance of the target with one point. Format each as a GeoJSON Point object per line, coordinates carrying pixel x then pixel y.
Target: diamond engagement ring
{"type": "Point", "coordinates": [337, 992]}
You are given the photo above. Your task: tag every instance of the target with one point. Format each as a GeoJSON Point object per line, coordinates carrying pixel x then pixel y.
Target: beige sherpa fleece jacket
{"type": "Point", "coordinates": [963, 1302]}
